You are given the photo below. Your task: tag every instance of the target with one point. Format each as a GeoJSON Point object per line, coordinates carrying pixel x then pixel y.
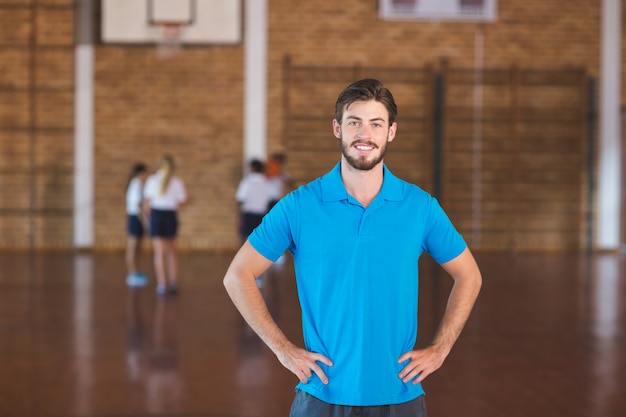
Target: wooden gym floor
{"type": "Point", "coordinates": [547, 338]}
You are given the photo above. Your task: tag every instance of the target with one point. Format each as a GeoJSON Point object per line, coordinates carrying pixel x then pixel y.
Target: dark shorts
{"type": "Point", "coordinates": [306, 405]}
{"type": "Point", "coordinates": [163, 223]}
{"type": "Point", "coordinates": [134, 226]}
{"type": "Point", "coordinates": [248, 222]}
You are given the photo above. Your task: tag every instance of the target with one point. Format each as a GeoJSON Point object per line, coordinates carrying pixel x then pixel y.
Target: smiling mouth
{"type": "Point", "coordinates": [364, 146]}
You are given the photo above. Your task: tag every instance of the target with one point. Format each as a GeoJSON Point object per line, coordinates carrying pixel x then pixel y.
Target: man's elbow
{"type": "Point", "coordinates": [229, 281]}
{"type": "Point", "coordinates": [477, 282]}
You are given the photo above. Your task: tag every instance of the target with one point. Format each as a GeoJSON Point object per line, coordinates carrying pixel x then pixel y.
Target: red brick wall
{"type": "Point", "coordinates": [36, 123]}
{"type": "Point", "coordinates": [532, 33]}
{"type": "Point", "coordinates": [192, 105]}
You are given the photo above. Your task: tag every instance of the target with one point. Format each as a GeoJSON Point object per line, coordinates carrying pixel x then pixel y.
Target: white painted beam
{"type": "Point", "coordinates": [609, 164]}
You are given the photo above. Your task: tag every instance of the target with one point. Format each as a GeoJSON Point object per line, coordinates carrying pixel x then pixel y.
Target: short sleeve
{"type": "Point", "coordinates": [442, 241]}
{"type": "Point", "coordinates": [274, 235]}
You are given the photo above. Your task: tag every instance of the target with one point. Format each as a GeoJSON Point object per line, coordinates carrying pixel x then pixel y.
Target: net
{"type": "Point", "coordinates": [168, 37]}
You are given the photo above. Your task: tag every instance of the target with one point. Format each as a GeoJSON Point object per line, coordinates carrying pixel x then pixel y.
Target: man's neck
{"type": "Point", "coordinates": [362, 185]}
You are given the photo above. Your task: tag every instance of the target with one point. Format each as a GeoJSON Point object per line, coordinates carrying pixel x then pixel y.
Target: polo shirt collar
{"type": "Point", "coordinates": [334, 190]}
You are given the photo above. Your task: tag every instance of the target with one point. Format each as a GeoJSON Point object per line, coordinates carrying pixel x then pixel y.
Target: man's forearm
{"type": "Point", "coordinates": [240, 284]}
{"type": "Point", "coordinates": [460, 304]}
{"type": "Point", "coordinates": [467, 284]}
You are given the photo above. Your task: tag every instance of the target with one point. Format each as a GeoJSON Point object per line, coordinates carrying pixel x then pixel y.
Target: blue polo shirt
{"type": "Point", "coordinates": [357, 276]}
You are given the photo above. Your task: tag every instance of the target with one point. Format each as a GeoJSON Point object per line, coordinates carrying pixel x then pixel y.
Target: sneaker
{"type": "Point", "coordinates": [172, 289]}
{"type": "Point", "coordinates": [136, 280]}
{"type": "Point", "coordinates": [142, 280]}
{"type": "Point", "coordinates": [161, 289]}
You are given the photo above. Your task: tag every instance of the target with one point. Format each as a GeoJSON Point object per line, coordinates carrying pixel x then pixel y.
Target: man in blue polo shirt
{"type": "Point", "coordinates": [356, 235]}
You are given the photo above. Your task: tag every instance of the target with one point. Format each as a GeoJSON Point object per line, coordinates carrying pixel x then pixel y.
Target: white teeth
{"type": "Point", "coordinates": [364, 148]}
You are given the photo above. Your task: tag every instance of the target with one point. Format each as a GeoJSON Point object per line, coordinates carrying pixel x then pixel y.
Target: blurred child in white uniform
{"type": "Point", "coordinates": [135, 224]}
{"type": "Point", "coordinates": [165, 193]}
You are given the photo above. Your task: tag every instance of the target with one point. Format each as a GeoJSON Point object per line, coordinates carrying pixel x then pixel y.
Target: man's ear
{"type": "Point", "coordinates": [336, 129]}
{"type": "Point", "coordinates": [392, 132]}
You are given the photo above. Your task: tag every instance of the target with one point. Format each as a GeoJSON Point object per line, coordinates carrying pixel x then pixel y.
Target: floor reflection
{"type": "Point", "coordinates": [83, 291]}
{"type": "Point", "coordinates": [152, 353]}
{"type": "Point", "coordinates": [606, 297]}
{"type": "Point", "coordinates": [135, 335]}
{"type": "Point", "coordinates": [547, 338]}
{"type": "Point", "coordinates": [164, 385]}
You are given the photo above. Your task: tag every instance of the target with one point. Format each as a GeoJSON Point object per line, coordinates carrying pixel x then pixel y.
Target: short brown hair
{"type": "Point", "coordinates": [365, 90]}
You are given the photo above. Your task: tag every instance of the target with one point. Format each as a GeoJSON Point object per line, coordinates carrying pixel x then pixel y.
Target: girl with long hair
{"type": "Point", "coordinates": [165, 193]}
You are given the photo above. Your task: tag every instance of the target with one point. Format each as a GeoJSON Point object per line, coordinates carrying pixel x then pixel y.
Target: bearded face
{"type": "Point", "coordinates": [369, 154]}
{"type": "Point", "coordinates": [364, 134]}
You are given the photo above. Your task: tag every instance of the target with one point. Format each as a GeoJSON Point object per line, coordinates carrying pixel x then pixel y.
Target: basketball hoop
{"type": "Point", "coordinates": [168, 37]}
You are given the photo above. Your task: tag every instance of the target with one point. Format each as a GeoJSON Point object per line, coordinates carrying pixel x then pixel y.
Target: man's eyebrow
{"type": "Point", "coordinates": [374, 119]}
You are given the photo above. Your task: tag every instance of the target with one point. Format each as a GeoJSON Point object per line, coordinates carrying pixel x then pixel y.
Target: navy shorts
{"type": "Point", "coordinates": [306, 405]}
{"type": "Point", "coordinates": [134, 226]}
{"type": "Point", "coordinates": [248, 222]}
{"type": "Point", "coordinates": [163, 223]}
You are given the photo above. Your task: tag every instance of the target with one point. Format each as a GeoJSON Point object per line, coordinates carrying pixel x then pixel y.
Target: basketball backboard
{"type": "Point", "coordinates": [437, 10]}
{"type": "Point", "coordinates": [201, 22]}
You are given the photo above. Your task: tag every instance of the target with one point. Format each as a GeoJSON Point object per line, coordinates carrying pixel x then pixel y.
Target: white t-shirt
{"type": "Point", "coordinates": [134, 196]}
{"type": "Point", "coordinates": [173, 196]}
{"type": "Point", "coordinates": [253, 193]}
{"type": "Point", "coordinates": [276, 187]}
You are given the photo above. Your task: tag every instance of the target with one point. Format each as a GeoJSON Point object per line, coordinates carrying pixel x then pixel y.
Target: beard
{"type": "Point", "coordinates": [361, 162]}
